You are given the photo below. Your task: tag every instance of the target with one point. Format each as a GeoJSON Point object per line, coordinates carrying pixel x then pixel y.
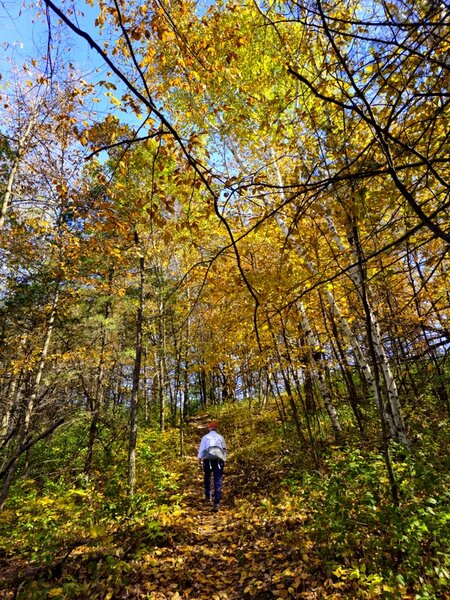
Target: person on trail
{"type": "Point", "coordinates": [212, 454]}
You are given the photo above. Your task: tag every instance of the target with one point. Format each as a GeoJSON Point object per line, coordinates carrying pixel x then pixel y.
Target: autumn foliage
{"type": "Point", "coordinates": [242, 212]}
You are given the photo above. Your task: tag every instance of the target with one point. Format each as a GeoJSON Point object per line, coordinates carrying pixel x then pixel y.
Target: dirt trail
{"type": "Point", "coordinates": [243, 551]}
{"type": "Point", "coordinates": [202, 558]}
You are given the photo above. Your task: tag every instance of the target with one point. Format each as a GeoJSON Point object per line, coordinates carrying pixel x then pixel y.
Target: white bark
{"type": "Point", "coordinates": [10, 403]}
{"type": "Point", "coordinates": [393, 413]}
{"type": "Point", "coordinates": [29, 409]}
{"type": "Point", "coordinates": [329, 406]}
{"type": "Point", "coordinates": [12, 174]}
{"type": "Point", "coordinates": [393, 417]}
{"type": "Point", "coordinates": [313, 343]}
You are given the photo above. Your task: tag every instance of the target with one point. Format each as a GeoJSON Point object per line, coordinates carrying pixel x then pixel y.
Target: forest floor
{"type": "Point", "coordinates": [254, 547]}
{"type": "Point", "coordinates": [249, 549]}
{"type": "Point", "coordinates": [239, 552]}
{"type": "Point", "coordinates": [287, 527]}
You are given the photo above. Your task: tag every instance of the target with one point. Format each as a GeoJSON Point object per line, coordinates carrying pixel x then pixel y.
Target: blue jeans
{"type": "Point", "coordinates": [216, 468]}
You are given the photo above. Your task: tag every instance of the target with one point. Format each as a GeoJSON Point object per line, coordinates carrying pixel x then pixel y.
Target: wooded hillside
{"type": "Point", "coordinates": [239, 211]}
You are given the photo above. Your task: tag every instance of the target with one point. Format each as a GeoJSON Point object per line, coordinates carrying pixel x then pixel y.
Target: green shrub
{"type": "Point", "coordinates": [361, 534]}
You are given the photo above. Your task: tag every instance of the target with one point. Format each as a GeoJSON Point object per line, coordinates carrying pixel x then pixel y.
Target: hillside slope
{"type": "Point", "coordinates": [283, 530]}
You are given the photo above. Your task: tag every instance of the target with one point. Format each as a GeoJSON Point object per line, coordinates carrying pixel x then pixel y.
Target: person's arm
{"type": "Point", "coordinates": [200, 451]}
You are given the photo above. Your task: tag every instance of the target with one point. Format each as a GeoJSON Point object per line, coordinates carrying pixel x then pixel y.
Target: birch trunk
{"type": "Point", "coordinates": [162, 366]}
{"type": "Point", "coordinates": [346, 372]}
{"type": "Point", "coordinates": [392, 413]}
{"type": "Point", "coordinates": [329, 406]}
{"type": "Point", "coordinates": [342, 323]}
{"type": "Point", "coordinates": [29, 409]}
{"type": "Point", "coordinates": [10, 402]}
{"type": "Point", "coordinates": [395, 427]}
{"type": "Point", "coordinates": [295, 377]}
{"type": "Point", "coordinates": [392, 416]}
{"type": "Point", "coordinates": [9, 184]}
{"type": "Point", "coordinates": [134, 401]}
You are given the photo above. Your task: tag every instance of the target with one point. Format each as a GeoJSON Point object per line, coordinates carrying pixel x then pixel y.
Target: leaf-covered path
{"type": "Point", "coordinates": [251, 548]}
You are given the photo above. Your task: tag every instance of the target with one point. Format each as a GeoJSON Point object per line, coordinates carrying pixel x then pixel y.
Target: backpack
{"type": "Point", "coordinates": [213, 453]}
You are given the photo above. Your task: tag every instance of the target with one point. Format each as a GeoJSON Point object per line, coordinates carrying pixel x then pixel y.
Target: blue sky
{"type": "Point", "coordinates": [24, 36]}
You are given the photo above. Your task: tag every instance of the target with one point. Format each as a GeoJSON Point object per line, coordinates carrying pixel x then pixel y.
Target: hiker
{"type": "Point", "coordinates": [212, 455]}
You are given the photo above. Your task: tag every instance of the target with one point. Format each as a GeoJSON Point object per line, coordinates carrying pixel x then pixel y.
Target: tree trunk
{"type": "Point", "coordinates": [329, 406]}
{"type": "Point", "coordinates": [10, 402]}
{"type": "Point", "coordinates": [441, 391]}
{"type": "Point", "coordinates": [393, 413]}
{"type": "Point", "coordinates": [354, 343]}
{"type": "Point", "coordinates": [29, 409]}
{"type": "Point", "coordinates": [97, 401]}
{"type": "Point", "coordinates": [346, 373]}
{"type": "Point", "coordinates": [134, 400]}
{"type": "Point", "coordinates": [382, 411]}
{"type": "Point", "coordinates": [9, 468]}
{"type": "Point", "coordinates": [9, 184]}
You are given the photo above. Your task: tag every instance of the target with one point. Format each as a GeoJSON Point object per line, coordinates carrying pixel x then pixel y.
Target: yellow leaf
{"type": "Point", "coordinates": [97, 531]}
{"type": "Point", "coordinates": [55, 592]}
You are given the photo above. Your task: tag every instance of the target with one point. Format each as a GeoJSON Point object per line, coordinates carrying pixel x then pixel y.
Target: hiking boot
{"type": "Point", "coordinates": [216, 507]}
{"type": "Point", "coordinates": [207, 500]}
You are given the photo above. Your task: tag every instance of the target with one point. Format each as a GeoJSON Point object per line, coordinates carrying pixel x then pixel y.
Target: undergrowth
{"type": "Point", "coordinates": [336, 520]}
